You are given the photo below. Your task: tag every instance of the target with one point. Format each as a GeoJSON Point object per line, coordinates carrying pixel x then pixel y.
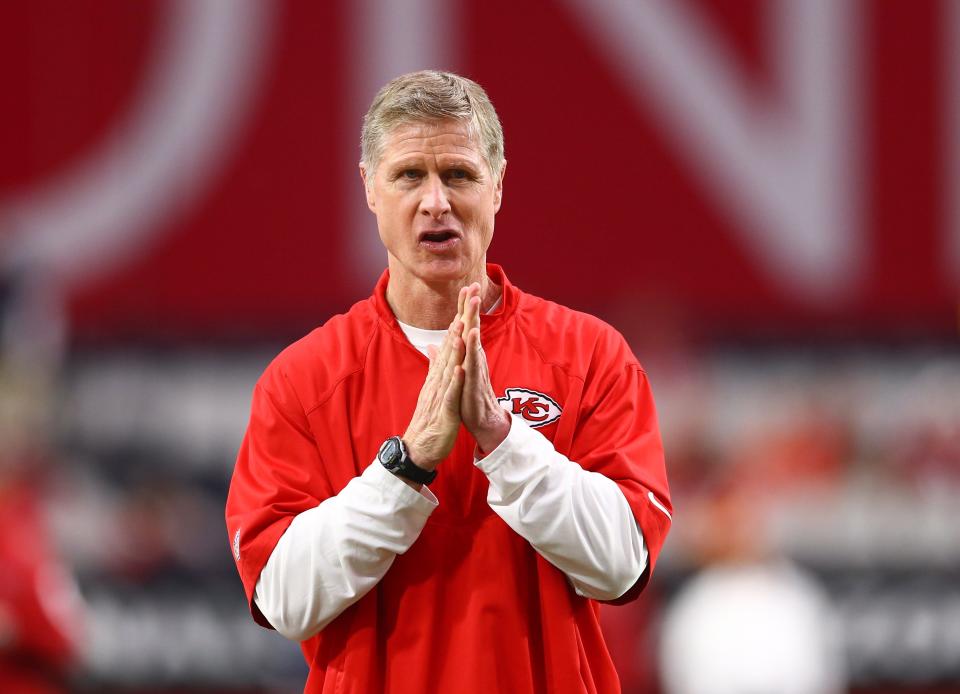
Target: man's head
{"type": "Point", "coordinates": [433, 168]}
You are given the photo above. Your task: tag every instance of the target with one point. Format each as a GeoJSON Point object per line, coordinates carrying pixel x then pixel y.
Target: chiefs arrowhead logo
{"type": "Point", "coordinates": [537, 409]}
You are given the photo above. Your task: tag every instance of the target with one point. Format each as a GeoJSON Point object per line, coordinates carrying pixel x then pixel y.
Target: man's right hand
{"type": "Point", "coordinates": [433, 428]}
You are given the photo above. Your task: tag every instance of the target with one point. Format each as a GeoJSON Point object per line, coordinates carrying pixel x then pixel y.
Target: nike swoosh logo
{"type": "Point", "coordinates": [656, 502]}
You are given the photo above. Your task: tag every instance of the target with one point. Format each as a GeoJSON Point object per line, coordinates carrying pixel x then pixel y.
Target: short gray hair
{"type": "Point", "coordinates": [427, 96]}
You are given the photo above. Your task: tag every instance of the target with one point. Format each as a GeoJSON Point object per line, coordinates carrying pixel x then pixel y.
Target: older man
{"type": "Point", "coordinates": [436, 486]}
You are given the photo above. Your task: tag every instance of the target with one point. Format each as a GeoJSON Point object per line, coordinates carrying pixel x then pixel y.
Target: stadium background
{"type": "Point", "coordinates": [763, 196]}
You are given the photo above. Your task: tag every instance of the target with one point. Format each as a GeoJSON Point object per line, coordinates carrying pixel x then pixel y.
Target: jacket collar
{"type": "Point", "coordinates": [490, 323]}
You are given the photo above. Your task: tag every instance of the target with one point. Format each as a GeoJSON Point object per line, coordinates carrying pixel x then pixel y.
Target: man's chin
{"type": "Point", "coordinates": [439, 270]}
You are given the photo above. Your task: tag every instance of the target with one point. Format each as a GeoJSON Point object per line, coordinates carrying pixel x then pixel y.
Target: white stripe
{"type": "Point", "coordinates": [788, 173]}
{"type": "Point", "coordinates": [656, 502]}
{"type": "Point", "coordinates": [191, 102]}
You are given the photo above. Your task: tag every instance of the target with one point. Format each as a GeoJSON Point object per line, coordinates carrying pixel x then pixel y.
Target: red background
{"type": "Point", "coordinates": [600, 211]}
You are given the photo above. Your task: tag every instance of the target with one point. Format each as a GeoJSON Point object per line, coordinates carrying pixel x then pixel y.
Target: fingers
{"type": "Point", "coordinates": [454, 357]}
{"type": "Point", "coordinates": [436, 420]}
{"type": "Point", "coordinates": [451, 398]}
{"type": "Point", "coordinates": [452, 340]}
{"type": "Point", "coordinates": [453, 331]}
{"type": "Point", "coordinates": [461, 301]}
{"type": "Point", "coordinates": [471, 343]}
{"type": "Point", "coordinates": [457, 388]}
{"type": "Point", "coordinates": [468, 315]}
{"type": "Point", "coordinates": [463, 305]}
{"type": "Point", "coordinates": [475, 365]}
{"type": "Point", "coordinates": [471, 308]}
{"type": "Point", "coordinates": [475, 311]}
{"type": "Point", "coordinates": [471, 332]}
{"type": "Point", "coordinates": [451, 351]}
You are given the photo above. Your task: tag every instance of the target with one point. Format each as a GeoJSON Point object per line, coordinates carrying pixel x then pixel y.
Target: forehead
{"type": "Point", "coordinates": [431, 138]}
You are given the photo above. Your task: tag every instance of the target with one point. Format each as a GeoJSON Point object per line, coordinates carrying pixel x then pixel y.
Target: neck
{"type": "Point", "coordinates": [433, 305]}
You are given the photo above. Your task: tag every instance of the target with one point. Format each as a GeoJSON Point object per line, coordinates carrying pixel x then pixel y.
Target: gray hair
{"type": "Point", "coordinates": [430, 95]}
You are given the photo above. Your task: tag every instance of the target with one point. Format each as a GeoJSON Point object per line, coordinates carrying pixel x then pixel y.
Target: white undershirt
{"type": "Point", "coordinates": [422, 338]}
{"type": "Point", "coordinates": [332, 555]}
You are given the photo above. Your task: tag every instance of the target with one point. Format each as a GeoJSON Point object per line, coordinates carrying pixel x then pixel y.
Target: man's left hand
{"type": "Point", "coordinates": [479, 410]}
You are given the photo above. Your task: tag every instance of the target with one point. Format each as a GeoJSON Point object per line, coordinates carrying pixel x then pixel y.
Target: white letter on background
{"type": "Point", "coordinates": [785, 171]}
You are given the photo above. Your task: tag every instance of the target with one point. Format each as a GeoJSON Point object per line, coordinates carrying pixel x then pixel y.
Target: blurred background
{"type": "Point", "coordinates": [762, 195]}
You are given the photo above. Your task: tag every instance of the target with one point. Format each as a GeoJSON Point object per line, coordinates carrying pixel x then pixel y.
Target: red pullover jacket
{"type": "Point", "coordinates": [471, 606]}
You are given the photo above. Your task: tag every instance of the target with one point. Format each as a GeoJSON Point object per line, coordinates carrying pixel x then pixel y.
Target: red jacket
{"type": "Point", "coordinates": [471, 607]}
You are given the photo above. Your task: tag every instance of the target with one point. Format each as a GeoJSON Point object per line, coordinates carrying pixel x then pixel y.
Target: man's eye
{"type": "Point", "coordinates": [459, 174]}
{"type": "Point", "coordinates": [410, 174]}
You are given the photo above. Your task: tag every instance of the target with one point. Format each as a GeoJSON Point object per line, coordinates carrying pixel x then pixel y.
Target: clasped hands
{"type": "Point", "coordinates": [457, 389]}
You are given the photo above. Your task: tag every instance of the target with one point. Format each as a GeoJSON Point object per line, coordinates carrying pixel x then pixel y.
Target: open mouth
{"type": "Point", "coordinates": [438, 236]}
{"type": "Point", "coordinates": [440, 240]}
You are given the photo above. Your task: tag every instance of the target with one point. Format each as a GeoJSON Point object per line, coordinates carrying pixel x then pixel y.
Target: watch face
{"type": "Point", "coordinates": [389, 454]}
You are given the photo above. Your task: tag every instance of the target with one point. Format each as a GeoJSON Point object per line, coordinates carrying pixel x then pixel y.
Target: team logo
{"type": "Point", "coordinates": [537, 409]}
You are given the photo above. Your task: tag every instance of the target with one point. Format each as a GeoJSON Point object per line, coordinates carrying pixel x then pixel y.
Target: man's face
{"type": "Point", "coordinates": [435, 199]}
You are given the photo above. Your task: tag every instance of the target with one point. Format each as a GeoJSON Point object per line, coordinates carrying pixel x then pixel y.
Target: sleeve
{"type": "Point", "coordinates": [279, 474]}
{"type": "Point", "coordinates": [617, 436]}
{"type": "Point", "coordinates": [577, 520]}
{"type": "Point", "coordinates": [332, 555]}
{"type": "Point", "coordinates": [304, 553]}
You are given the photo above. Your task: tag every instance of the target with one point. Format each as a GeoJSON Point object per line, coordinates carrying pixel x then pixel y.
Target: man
{"type": "Point", "coordinates": [517, 474]}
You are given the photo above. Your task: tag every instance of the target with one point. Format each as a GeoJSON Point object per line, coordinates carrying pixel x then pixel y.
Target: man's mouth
{"type": "Point", "coordinates": [438, 236]}
{"type": "Point", "coordinates": [440, 239]}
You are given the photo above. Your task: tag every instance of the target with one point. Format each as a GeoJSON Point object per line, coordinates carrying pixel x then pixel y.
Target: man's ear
{"type": "Point", "coordinates": [367, 178]}
{"type": "Point", "coordinates": [498, 191]}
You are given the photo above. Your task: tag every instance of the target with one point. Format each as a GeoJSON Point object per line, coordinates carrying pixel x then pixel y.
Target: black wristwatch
{"type": "Point", "coordinates": [393, 456]}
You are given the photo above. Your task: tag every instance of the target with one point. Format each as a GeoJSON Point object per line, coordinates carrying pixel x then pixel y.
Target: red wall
{"type": "Point", "coordinates": [601, 210]}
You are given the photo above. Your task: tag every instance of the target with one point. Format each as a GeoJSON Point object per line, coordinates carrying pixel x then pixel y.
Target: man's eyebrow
{"type": "Point", "coordinates": [461, 163]}
{"type": "Point", "coordinates": [406, 163]}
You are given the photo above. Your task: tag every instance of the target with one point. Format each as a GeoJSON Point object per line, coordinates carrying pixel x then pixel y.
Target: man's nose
{"type": "Point", "coordinates": [435, 202]}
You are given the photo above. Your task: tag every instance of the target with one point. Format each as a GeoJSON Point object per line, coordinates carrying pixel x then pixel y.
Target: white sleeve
{"type": "Point", "coordinates": [577, 520]}
{"type": "Point", "coordinates": [331, 555]}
